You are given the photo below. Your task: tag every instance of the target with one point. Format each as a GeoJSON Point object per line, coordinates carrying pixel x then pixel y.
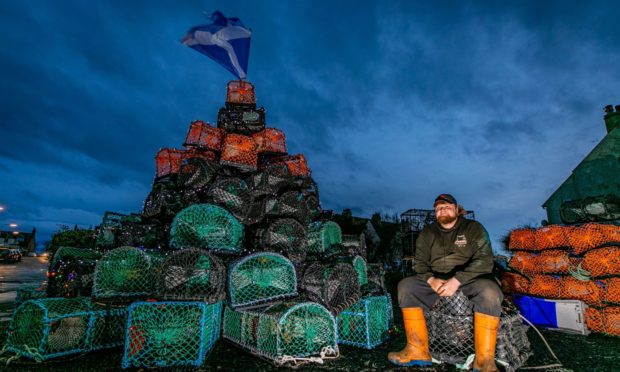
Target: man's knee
{"type": "Point", "coordinates": [409, 292]}
{"type": "Point", "coordinates": [491, 295]}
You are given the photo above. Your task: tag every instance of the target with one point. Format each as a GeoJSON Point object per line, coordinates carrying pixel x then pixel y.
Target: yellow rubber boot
{"type": "Point", "coordinates": [485, 337]}
{"type": "Point", "coordinates": [415, 352]}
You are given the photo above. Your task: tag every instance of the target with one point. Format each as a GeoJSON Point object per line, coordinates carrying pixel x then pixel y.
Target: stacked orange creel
{"type": "Point", "coordinates": [270, 140]}
{"type": "Point", "coordinates": [239, 151]}
{"type": "Point", "coordinates": [296, 164]}
{"type": "Point", "coordinates": [168, 161]}
{"type": "Point", "coordinates": [203, 136]}
{"type": "Point", "coordinates": [606, 320]}
{"type": "Point", "coordinates": [575, 254]}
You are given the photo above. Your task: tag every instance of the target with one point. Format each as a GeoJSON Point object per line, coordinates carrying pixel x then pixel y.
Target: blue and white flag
{"type": "Point", "coordinates": [226, 40]}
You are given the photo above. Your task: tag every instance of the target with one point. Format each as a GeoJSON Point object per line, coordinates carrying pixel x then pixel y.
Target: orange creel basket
{"type": "Point", "coordinates": [555, 262]}
{"type": "Point", "coordinates": [522, 239]}
{"type": "Point", "coordinates": [169, 161]}
{"type": "Point", "coordinates": [515, 283]}
{"type": "Point", "coordinates": [526, 263]}
{"type": "Point", "coordinates": [588, 291]}
{"type": "Point", "coordinates": [606, 320]}
{"type": "Point", "coordinates": [602, 262]}
{"type": "Point", "coordinates": [204, 136]}
{"type": "Point", "coordinates": [551, 237]}
{"type": "Point", "coordinates": [270, 140]}
{"type": "Point", "coordinates": [239, 91]}
{"type": "Point", "coordinates": [239, 151]}
{"type": "Point", "coordinates": [593, 235]}
{"type": "Point", "coordinates": [296, 164]}
{"type": "Point", "coordinates": [546, 286]}
{"type": "Point", "coordinates": [612, 292]}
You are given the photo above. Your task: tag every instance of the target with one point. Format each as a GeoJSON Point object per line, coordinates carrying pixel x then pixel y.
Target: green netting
{"type": "Point", "coordinates": [376, 280]}
{"type": "Point", "coordinates": [166, 334]}
{"type": "Point", "coordinates": [197, 172]}
{"type": "Point", "coordinates": [106, 232]}
{"type": "Point", "coordinates": [289, 204]}
{"type": "Point", "coordinates": [270, 181]}
{"type": "Point", "coordinates": [164, 200]}
{"type": "Point", "coordinates": [366, 324]}
{"type": "Point", "coordinates": [356, 244]}
{"type": "Point", "coordinates": [206, 226]}
{"type": "Point", "coordinates": [359, 264]}
{"type": "Point", "coordinates": [335, 285]}
{"type": "Point", "coordinates": [322, 237]}
{"type": "Point", "coordinates": [285, 235]}
{"type": "Point", "coordinates": [70, 273]}
{"type": "Point", "coordinates": [124, 272]}
{"type": "Point", "coordinates": [108, 326]}
{"type": "Point", "coordinates": [598, 208]}
{"type": "Point", "coordinates": [233, 194]}
{"type": "Point", "coordinates": [283, 332]}
{"type": "Point", "coordinates": [52, 327]}
{"type": "Point", "coordinates": [261, 277]}
{"type": "Point", "coordinates": [29, 293]}
{"type": "Point", "coordinates": [192, 274]}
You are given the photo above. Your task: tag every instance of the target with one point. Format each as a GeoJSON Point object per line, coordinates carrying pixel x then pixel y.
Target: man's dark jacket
{"type": "Point", "coordinates": [463, 252]}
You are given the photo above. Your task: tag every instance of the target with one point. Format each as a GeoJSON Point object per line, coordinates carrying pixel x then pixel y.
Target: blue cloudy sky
{"type": "Point", "coordinates": [391, 102]}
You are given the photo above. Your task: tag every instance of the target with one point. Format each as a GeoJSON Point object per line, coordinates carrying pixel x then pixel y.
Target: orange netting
{"type": "Point", "coordinates": [555, 262]}
{"type": "Point", "coordinates": [296, 164]}
{"type": "Point", "coordinates": [526, 263]}
{"type": "Point", "coordinates": [546, 286]}
{"type": "Point", "coordinates": [605, 320]}
{"type": "Point", "coordinates": [592, 235]}
{"type": "Point", "coordinates": [612, 293]}
{"type": "Point", "coordinates": [602, 262]}
{"type": "Point", "coordinates": [522, 239]}
{"type": "Point", "coordinates": [270, 140]}
{"type": "Point", "coordinates": [551, 237]}
{"type": "Point", "coordinates": [239, 151]}
{"type": "Point", "coordinates": [238, 91]}
{"type": "Point", "coordinates": [203, 135]}
{"type": "Point", "coordinates": [515, 283]}
{"type": "Point", "coordinates": [590, 292]}
{"type": "Point", "coordinates": [169, 161]}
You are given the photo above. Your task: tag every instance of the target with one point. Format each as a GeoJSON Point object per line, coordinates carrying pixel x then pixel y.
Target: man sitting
{"type": "Point", "coordinates": [451, 254]}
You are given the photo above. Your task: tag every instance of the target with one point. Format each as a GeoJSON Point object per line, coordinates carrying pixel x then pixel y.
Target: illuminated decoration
{"type": "Point", "coordinates": [203, 136]}
{"type": "Point", "coordinates": [297, 164]}
{"type": "Point", "coordinates": [170, 334]}
{"type": "Point", "coordinates": [70, 273]}
{"type": "Point", "coordinates": [366, 324]}
{"type": "Point", "coordinates": [283, 332]}
{"type": "Point", "coordinates": [192, 275]}
{"type": "Point", "coordinates": [270, 140]}
{"type": "Point", "coordinates": [259, 278]}
{"type": "Point", "coordinates": [169, 161]}
{"type": "Point", "coordinates": [335, 285]}
{"type": "Point", "coordinates": [164, 200]}
{"type": "Point", "coordinates": [240, 92]}
{"type": "Point", "coordinates": [239, 151]}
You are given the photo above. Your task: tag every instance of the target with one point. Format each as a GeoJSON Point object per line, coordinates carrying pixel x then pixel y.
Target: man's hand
{"type": "Point", "coordinates": [435, 283]}
{"type": "Point", "coordinates": [449, 288]}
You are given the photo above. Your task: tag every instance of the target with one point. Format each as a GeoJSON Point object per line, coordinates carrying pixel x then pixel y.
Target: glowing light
{"type": "Point", "coordinates": [1, 208]}
{"type": "Point", "coordinates": [12, 225]}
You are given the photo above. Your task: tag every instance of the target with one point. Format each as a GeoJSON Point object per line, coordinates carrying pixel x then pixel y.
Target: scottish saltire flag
{"type": "Point", "coordinates": [226, 40]}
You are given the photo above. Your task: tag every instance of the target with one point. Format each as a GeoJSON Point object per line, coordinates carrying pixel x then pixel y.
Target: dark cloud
{"type": "Point", "coordinates": [390, 102]}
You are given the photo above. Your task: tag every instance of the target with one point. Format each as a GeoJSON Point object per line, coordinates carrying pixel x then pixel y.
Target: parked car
{"type": "Point", "coordinates": [10, 254]}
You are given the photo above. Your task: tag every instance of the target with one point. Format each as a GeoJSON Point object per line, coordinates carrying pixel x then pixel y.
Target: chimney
{"type": "Point", "coordinates": [612, 118]}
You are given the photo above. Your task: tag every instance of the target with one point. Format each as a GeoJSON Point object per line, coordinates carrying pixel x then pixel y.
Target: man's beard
{"type": "Point", "coordinates": [444, 220]}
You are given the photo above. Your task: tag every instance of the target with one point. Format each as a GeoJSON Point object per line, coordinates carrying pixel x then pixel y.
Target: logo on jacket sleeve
{"type": "Point", "coordinates": [461, 241]}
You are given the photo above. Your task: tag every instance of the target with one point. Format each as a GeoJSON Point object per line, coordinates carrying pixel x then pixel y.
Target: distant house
{"type": "Point", "coordinates": [17, 239]}
{"type": "Point", "coordinates": [592, 191]}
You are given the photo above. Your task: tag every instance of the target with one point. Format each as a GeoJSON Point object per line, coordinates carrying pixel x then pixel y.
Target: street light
{"type": "Point", "coordinates": [1, 208]}
{"type": "Point", "coordinates": [12, 225]}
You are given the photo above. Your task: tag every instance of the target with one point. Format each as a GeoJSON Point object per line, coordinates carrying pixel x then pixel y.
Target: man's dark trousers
{"type": "Point", "coordinates": [484, 293]}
